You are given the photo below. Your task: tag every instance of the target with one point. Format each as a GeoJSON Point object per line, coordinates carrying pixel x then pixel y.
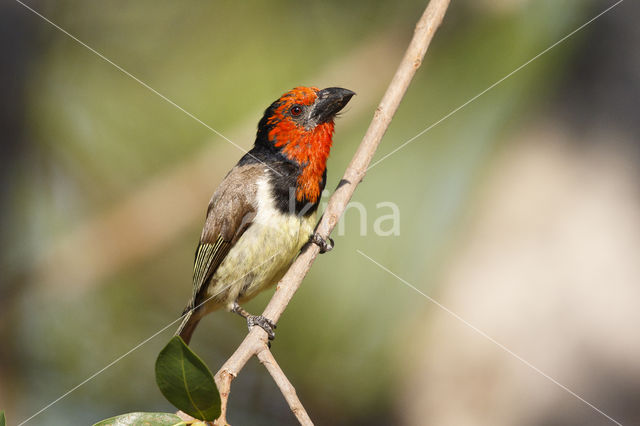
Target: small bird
{"type": "Point", "coordinates": [264, 211]}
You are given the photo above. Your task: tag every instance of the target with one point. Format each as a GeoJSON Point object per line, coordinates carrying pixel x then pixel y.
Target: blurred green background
{"type": "Point", "coordinates": [105, 186]}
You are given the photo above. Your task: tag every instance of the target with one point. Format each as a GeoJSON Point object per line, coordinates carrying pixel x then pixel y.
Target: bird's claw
{"type": "Point", "coordinates": [265, 323]}
{"type": "Point", "coordinates": [325, 245]}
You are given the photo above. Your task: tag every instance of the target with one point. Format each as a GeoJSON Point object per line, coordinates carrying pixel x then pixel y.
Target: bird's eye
{"type": "Point", "coordinates": [296, 110]}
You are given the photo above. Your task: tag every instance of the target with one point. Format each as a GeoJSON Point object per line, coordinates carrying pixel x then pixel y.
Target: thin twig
{"type": "Point", "coordinates": [266, 358]}
{"type": "Point", "coordinates": [256, 341]}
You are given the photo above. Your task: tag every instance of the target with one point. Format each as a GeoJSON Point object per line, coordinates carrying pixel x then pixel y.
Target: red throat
{"type": "Point", "coordinates": [309, 148]}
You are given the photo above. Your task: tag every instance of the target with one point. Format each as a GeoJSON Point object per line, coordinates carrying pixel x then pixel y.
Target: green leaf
{"type": "Point", "coordinates": [186, 381]}
{"type": "Point", "coordinates": [2, 420]}
{"type": "Point", "coordinates": [143, 419]}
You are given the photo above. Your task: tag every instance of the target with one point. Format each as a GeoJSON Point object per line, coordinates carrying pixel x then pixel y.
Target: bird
{"type": "Point", "coordinates": [264, 210]}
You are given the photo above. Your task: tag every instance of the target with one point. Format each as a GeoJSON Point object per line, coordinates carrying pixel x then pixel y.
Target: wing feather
{"type": "Point", "coordinates": [208, 258]}
{"type": "Point", "coordinates": [231, 212]}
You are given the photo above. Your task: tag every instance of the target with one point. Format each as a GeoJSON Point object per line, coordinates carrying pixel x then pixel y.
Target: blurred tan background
{"type": "Point", "coordinates": [520, 213]}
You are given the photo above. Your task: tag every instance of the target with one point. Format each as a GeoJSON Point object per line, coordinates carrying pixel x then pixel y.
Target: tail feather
{"type": "Point", "coordinates": [188, 325]}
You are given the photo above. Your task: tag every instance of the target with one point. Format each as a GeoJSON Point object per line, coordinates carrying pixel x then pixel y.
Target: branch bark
{"type": "Point", "coordinates": [256, 341]}
{"type": "Point", "coordinates": [266, 358]}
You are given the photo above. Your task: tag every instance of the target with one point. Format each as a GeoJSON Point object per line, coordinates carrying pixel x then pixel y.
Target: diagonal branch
{"type": "Point", "coordinates": [266, 358]}
{"type": "Point", "coordinates": [256, 341]}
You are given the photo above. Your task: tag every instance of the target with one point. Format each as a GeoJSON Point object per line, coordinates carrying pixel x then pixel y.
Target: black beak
{"type": "Point", "coordinates": [330, 101]}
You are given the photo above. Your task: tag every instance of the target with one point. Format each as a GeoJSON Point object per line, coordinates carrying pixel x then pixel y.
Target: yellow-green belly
{"type": "Point", "coordinates": [260, 257]}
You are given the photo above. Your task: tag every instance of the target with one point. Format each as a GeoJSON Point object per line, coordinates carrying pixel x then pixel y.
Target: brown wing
{"type": "Point", "coordinates": [231, 212]}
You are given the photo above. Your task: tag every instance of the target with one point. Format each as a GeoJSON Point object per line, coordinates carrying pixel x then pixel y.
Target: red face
{"type": "Point", "coordinates": [302, 127]}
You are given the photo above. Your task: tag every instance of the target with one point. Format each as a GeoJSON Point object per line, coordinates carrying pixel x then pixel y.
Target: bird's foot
{"type": "Point", "coordinates": [325, 245]}
{"type": "Point", "coordinates": [265, 323]}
